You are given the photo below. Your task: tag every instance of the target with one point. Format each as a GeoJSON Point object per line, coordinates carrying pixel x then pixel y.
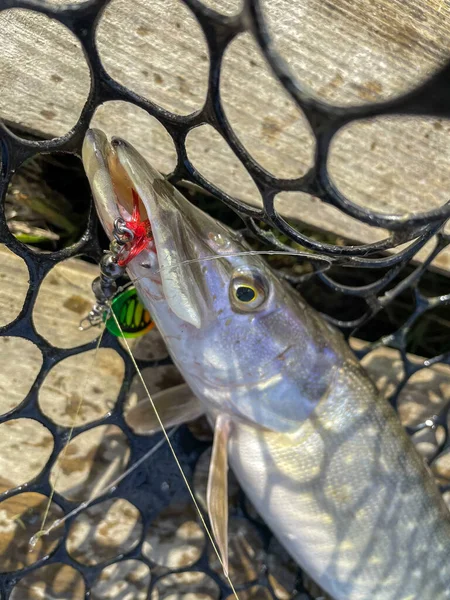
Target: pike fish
{"type": "Point", "coordinates": [320, 454]}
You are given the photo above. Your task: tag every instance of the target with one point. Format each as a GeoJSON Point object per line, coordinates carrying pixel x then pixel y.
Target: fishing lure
{"type": "Point", "coordinates": [131, 318]}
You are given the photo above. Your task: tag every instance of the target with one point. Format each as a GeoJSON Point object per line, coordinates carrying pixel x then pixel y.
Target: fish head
{"type": "Point", "coordinates": [243, 341]}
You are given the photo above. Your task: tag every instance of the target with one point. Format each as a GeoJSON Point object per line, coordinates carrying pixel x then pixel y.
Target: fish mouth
{"type": "Point", "coordinates": [122, 182]}
{"type": "Point", "coordinates": [110, 185]}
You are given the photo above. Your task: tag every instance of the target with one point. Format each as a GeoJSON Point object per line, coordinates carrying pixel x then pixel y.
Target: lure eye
{"type": "Point", "coordinates": [247, 292]}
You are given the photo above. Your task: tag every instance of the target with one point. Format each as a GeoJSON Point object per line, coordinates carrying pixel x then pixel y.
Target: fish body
{"type": "Point", "coordinates": [320, 454]}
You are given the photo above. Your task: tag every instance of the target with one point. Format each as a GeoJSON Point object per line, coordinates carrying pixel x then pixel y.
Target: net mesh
{"type": "Point", "coordinates": [153, 499]}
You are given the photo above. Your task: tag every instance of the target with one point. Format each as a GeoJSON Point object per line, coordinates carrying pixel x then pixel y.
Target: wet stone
{"type": "Point", "coordinates": [104, 531]}
{"type": "Point", "coordinates": [245, 552]}
{"type": "Point", "coordinates": [282, 571]}
{"type": "Point", "coordinates": [124, 580]}
{"type": "Point", "coordinates": [52, 582]}
{"type": "Point", "coordinates": [257, 592]}
{"type": "Point", "coordinates": [175, 539]}
{"type": "Point", "coordinates": [192, 585]}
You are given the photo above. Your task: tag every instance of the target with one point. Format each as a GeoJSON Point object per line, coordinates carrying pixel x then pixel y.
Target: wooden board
{"type": "Point", "coordinates": [345, 51]}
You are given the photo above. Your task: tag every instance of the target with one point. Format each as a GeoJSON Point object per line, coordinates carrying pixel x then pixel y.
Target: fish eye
{"type": "Point", "coordinates": [247, 291]}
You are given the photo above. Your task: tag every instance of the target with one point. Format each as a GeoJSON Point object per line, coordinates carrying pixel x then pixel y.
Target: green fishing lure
{"type": "Point", "coordinates": [134, 319]}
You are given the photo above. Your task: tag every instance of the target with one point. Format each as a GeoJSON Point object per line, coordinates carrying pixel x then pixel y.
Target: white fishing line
{"type": "Point", "coordinates": [42, 531]}
{"type": "Point", "coordinates": [189, 261]}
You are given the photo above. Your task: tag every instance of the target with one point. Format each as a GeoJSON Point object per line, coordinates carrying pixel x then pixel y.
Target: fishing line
{"type": "Point", "coordinates": [111, 485]}
{"type": "Point", "coordinates": [311, 257]}
{"type": "Point", "coordinates": [189, 261]}
{"type": "Point", "coordinates": [53, 484]}
{"type": "Point", "coordinates": [172, 449]}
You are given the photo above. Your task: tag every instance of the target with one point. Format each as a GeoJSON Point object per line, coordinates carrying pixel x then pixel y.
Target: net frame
{"type": "Point", "coordinates": [431, 98]}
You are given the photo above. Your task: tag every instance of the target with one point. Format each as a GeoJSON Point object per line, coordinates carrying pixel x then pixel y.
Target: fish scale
{"type": "Point", "coordinates": [376, 517]}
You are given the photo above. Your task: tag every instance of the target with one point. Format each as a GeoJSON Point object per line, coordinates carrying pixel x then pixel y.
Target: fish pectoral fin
{"type": "Point", "coordinates": [175, 405]}
{"type": "Point", "coordinates": [217, 492]}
